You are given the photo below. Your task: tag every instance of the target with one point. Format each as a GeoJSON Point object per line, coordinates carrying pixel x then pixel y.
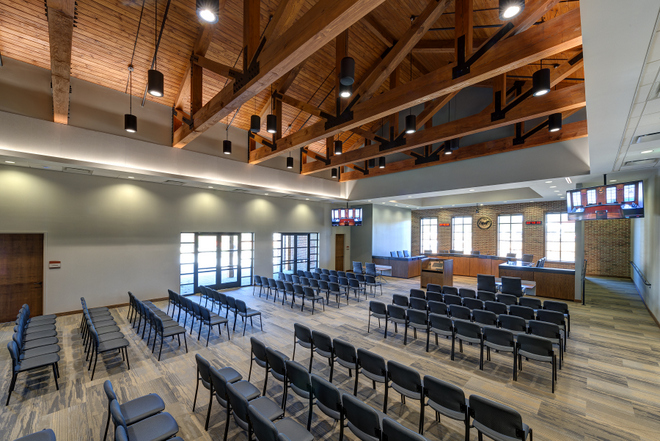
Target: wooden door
{"type": "Point", "coordinates": [21, 274]}
{"type": "Point", "coordinates": [339, 252]}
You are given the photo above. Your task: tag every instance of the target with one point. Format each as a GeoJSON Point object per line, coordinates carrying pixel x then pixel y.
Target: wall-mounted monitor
{"type": "Point", "coordinates": [347, 217]}
{"type": "Point", "coordinates": [614, 201]}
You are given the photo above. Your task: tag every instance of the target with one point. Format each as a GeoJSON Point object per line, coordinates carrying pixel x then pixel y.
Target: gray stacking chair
{"type": "Point", "coordinates": [418, 304]}
{"type": "Point", "coordinates": [133, 410]}
{"type": "Point", "coordinates": [467, 293]}
{"type": "Point", "coordinates": [29, 364]}
{"type": "Point", "coordinates": [418, 293]}
{"type": "Point", "coordinates": [258, 354]}
{"type": "Point", "coordinates": [238, 406]}
{"type": "Point", "coordinates": [220, 383]}
{"type": "Point", "coordinates": [513, 286]}
{"type": "Point", "coordinates": [451, 299]}
{"type": "Point", "coordinates": [440, 325]}
{"type": "Point", "coordinates": [473, 304]}
{"type": "Point", "coordinates": [432, 287]}
{"type": "Point", "coordinates": [246, 313]}
{"type": "Point", "coordinates": [277, 364]}
{"type": "Point", "coordinates": [448, 400]}
{"type": "Point", "coordinates": [323, 347]}
{"type": "Point", "coordinates": [555, 317]}
{"type": "Point", "coordinates": [562, 307]}
{"type": "Point", "coordinates": [486, 282]}
{"type": "Point", "coordinates": [373, 367]}
{"type": "Point", "coordinates": [211, 319]}
{"type": "Point", "coordinates": [407, 382]}
{"type": "Point", "coordinates": [416, 320]}
{"type": "Point", "coordinates": [328, 399]}
{"type": "Point", "coordinates": [397, 315]}
{"type": "Point", "coordinates": [496, 421]}
{"type": "Point", "coordinates": [265, 430]}
{"type": "Point", "coordinates": [399, 300]}
{"type": "Point", "coordinates": [507, 299]}
{"type": "Point", "coordinates": [335, 289]}
{"type": "Point", "coordinates": [302, 336]}
{"type": "Point", "coordinates": [537, 348]}
{"type": "Point", "coordinates": [517, 325]}
{"type": "Point", "coordinates": [501, 340]}
{"type": "Point", "coordinates": [378, 310]}
{"type": "Point", "coordinates": [522, 312]}
{"type": "Point", "coordinates": [438, 308]}
{"type": "Point", "coordinates": [204, 376]}
{"type": "Point", "coordinates": [372, 283]}
{"type": "Point", "coordinates": [393, 431]}
{"type": "Point", "coordinates": [496, 307]}
{"type": "Point", "coordinates": [432, 296]}
{"type": "Point", "coordinates": [450, 290]}
{"type": "Point", "coordinates": [347, 357]}
{"type": "Point", "coordinates": [363, 421]}
{"type": "Point", "coordinates": [158, 427]}
{"type": "Point", "coordinates": [550, 331]}
{"type": "Point", "coordinates": [486, 296]}
{"type": "Point", "coordinates": [299, 381]}
{"type": "Point", "coordinates": [484, 318]}
{"type": "Point", "coordinates": [470, 333]}
{"type": "Point", "coordinates": [313, 297]}
{"type": "Point", "coordinates": [458, 312]}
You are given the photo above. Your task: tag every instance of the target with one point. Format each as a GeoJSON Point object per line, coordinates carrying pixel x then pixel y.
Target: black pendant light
{"type": "Point", "coordinates": [381, 162]}
{"type": "Point", "coordinates": [554, 122]}
{"type": "Point", "coordinates": [255, 120]}
{"type": "Point", "coordinates": [372, 163]}
{"type": "Point", "coordinates": [347, 73]}
{"type": "Point", "coordinates": [511, 8]}
{"type": "Point", "coordinates": [345, 91]}
{"type": "Point", "coordinates": [226, 144]}
{"type": "Point", "coordinates": [155, 79]}
{"type": "Point", "coordinates": [271, 119]}
{"type": "Point", "coordinates": [130, 120]}
{"type": "Point", "coordinates": [208, 11]}
{"type": "Point", "coordinates": [334, 173]}
{"type": "Point", "coordinates": [541, 81]}
{"type": "Point", "coordinates": [289, 162]}
{"type": "Point", "coordinates": [338, 147]}
{"type": "Point", "coordinates": [411, 120]}
{"type": "Point", "coordinates": [451, 145]}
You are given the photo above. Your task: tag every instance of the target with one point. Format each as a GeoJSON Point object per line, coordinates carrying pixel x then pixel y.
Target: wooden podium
{"type": "Point", "coordinates": [437, 271]}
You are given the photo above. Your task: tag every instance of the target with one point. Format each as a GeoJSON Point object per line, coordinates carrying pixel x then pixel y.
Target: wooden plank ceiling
{"type": "Point", "coordinates": [104, 36]}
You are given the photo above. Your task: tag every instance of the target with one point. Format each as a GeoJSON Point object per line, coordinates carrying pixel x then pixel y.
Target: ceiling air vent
{"type": "Point", "coordinates": [651, 162]}
{"type": "Point", "coordinates": [647, 138]}
{"type": "Point", "coordinates": [173, 182]}
{"type": "Point", "coordinates": [79, 171]}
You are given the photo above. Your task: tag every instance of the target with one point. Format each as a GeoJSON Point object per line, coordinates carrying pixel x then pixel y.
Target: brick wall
{"type": "Point", "coordinates": [607, 243]}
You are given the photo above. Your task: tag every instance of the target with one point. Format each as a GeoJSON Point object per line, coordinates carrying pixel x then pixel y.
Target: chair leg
{"type": "Point", "coordinates": [11, 388]}
{"type": "Point", "coordinates": [385, 399]}
{"type": "Point", "coordinates": [405, 335]}
{"type": "Point", "coordinates": [357, 371]}
{"type": "Point", "coordinates": [196, 390]}
{"type": "Point", "coordinates": [251, 360]}
{"type": "Point", "coordinates": [128, 364]}
{"type": "Point", "coordinates": [421, 416]}
{"type": "Point", "coordinates": [265, 381]}
{"type": "Point", "coordinates": [453, 345]}
{"type": "Point", "coordinates": [160, 351]}
{"type": "Point", "coordinates": [311, 359]}
{"type": "Point", "coordinates": [96, 357]}
{"type": "Point", "coordinates": [332, 368]}
{"type": "Point", "coordinates": [515, 365]}
{"type": "Point", "coordinates": [185, 342]}
{"type": "Point", "coordinates": [208, 413]}
{"type": "Point", "coordinates": [227, 421]}
{"type": "Point", "coordinates": [107, 425]}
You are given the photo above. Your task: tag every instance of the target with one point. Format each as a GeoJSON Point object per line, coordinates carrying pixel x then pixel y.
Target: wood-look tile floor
{"type": "Point", "coordinates": [608, 389]}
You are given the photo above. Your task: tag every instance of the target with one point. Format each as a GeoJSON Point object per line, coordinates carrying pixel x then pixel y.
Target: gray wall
{"type": "Point", "coordinates": [361, 237]}
{"type": "Point", "coordinates": [391, 229]}
{"type": "Point", "coordinates": [115, 235]}
{"type": "Point", "coordinates": [645, 246]}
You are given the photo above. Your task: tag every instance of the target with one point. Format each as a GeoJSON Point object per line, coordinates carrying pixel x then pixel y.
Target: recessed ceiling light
{"type": "Point", "coordinates": [569, 180]}
{"type": "Point", "coordinates": [548, 182]}
{"type": "Point", "coordinates": [472, 189]}
{"type": "Point", "coordinates": [306, 199]}
{"type": "Point", "coordinates": [506, 201]}
{"type": "Point", "coordinates": [556, 191]}
{"type": "Point", "coordinates": [10, 162]}
{"type": "Point", "coordinates": [612, 180]}
{"type": "Point", "coordinates": [265, 194]}
{"type": "Point", "coordinates": [553, 186]}
{"type": "Point", "coordinates": [647, 151]}
{"type": "Point", "coordinates": [210, 186]}
{"type": "Point", "coordinates": [369, 200]}
{"type": "Point", "coordinates": [131, 177]}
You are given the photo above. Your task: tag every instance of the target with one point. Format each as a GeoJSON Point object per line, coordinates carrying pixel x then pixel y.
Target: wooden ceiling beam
{"type": "Point", "coordinates": [251, 30]}
{"type": "Point", "coordinates": [569, 131]}
{"type": "Point", "coordinates": [440, 46]}
{"type": "Point", "coordinates": [463, 26]}
{"type": "Point", "coordinates": [284, 16]}
{"type": "Point", "coordinates": [542, 41]}
{"type": "Point", "coordinates": [432, 107]}
{"type": "Point", "coordinates": [60, 34]}
{"type": "Point", "coordinates": [323, 22]}
{"type": "Point", "coordinates": [201, 46]}
{"type": "Point", "coordinates": [219, 68]}
{"type": "Point", "coordinates": [561, 100]}
{"type": "Point", "coordinates": [401, 48]}
{"type": "Point", "coordinates": [378, 30]}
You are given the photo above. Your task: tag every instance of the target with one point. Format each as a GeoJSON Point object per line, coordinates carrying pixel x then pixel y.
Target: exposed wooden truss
{"type": "Point", "coordinates": [60, 33]}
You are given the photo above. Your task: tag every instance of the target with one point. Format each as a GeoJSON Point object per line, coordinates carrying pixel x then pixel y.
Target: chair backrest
{"type": "Point", "coordinates": [394, 431]}
{"type": "Point", "coordinates": [333, 286]}
{"type": "Point", "coordinates": [295, 279]}
{"type": "Point", "coordinates": [326, 271]}
{"type": "Point", "coordinates": [298, 378]}
{"type": "Point", "coordinates": [276, 361]}
{"type": "Point", "coordinates": [486, 282]}
{"type": "Point", "coordinates": [432, 287]}
{"type": "Point", "coordinates": [272, 283]}
{"type": "Point", "coordinates": [264, 429]}
{"type": "Point", "coordinates": [441, 322]}
{"type": "Point", "coordinates": [353, 283]}
{"type": "Point", "coordinates": [451, 299]}
{"type": "Point", "coordinates": [450, 290]}
{"type": "Point", "coordinates": [530, 302]}
{"type": "Point", "coordinates": [239, 404]}
{"type": "Point", "coordinates": [241, 306]}
{"type": "Point", "coordinates": [512, 323]}
{"type": "Point", "coordinates": [298, 290]}
{"type": "Point", "coordinates": [206, 314]}
{"type": "Point", "coordinates": [507, 299]}
{"type": "Point", "coordinates": [300, 273]}
{"type": "Point", "coordinates": [281, 285]}
{"type": "Point", "coordinates": [460, 312]}
{"type": "Point", "coordinates": [467, 293]}
{"type": "Point", "coordinates": [222, 298]}
{"type": "Point", "coordinates": [484, 317]}
{"type": "Point", "coordinates": [350, 276]}
{"type": "Point", "coordinates": [325, 277]}
{"type": "Point", "coordinates": [418, 317]}
{"type": "Point", "coordinates": [304, 281]}
{"type": "Point", "coordinates": [406, 253]}
{"type": "Point", "coordinates": [396, 312]}
{"type": "Point", "coordinates": [317, 276]}
{"type": "Point", "coordinates": [405, 377]}
{"type": "Point", "coordinates": [357, 267]}
{"type": "Point", "coordinates": [544, 329]}
{"type": "Point", "coordinates": [334, 273]}
{"type": "Point", "coordinates": [287, 277]}
{"type": "Point", "coordinates": [313, 283]}
{"type": "Point", "coordinates": [372, 362]}
{"type": "Point", "coordinates": [437, 307]}
{"type": "Point", "coordinates": [473, 303]}
{"type": "Point", "coordinates": [419, 304]}
{"type": "Point", "coordinates": [231, 302]}
{"type": "Point", "coordinates": [377, 307]}
{"type": "Point", "coordinates": [288, 287]}
{"type": "Point", "coordinates": [13, 352]}
{"type": "Point", "coordinates": [334, 279]}
{"type": "Point", "coordinates": [467, 329]}
{"type": "Point", "coordinates": [371, 280]}
{"type": "Point", "coordinates": [456, 251]}
{"type": "Point", "coordinates": [219, 386]}
{"type": "Point", "coordinates": [522, 311]}
{"type": "Point", "coordinates": [327, 395]}
{"type": "Point", "coordinates": [535, 345]}
{"type": "Point", "coordinates": [418, 293]}
{"type": "Point", "coordinates": [399, 254]}
{"type": "Point", "coordinates": [553, 305]}
{"type": "Point", "coordinates": [344, 350]}
{"type": "Point", "coordinates": [496, 307]}
{"type": "Point", "coordinates": [551, 317]}
{"type": "Point", "coordinates": [257, 280]}
{"type": "Point", "coordinates": [445, 394]}
{"type": "Point", "coordinates": [528, 258]}
{"type": "Point", "coordinates": [258, 349]}
{"type": "Point", "coordinates": [476, 253]}
{"type": "Point", "coordinates": [486, 296]}
{"type": "Point", "coordinates": [500, 337]}
{"type": "Point", "coordinates": [361, 416]}
{"type": "Point", "coordinates": [341, 273]}
{"type": "Point", "coordinates": [432, 296]}
{"type": "Point", "coordinates": [302, 332]}
{"type": "Point", "coordinates": [204, 368]}
{"type": "Point", "coordinates": [343, 281]}
{"type": "Point", "coordinates": [392, 253]}
{"type": "Point", "coordinates": [120, 434]}
{"type": "Point", "coordinates": [512, 285]}
{"type": "Point", "coordinates": [309, 292]}
{"type": "Point", "coordinates": [323, 285]}
{"type": "Point", "coordinates": [370, 268]}
{"type": "Point", "coordinates": [117, 416]}
{"type": "Point", "coordinates": [496, 417]}
{"type": "Point", "coordinates": [322, 341]}
{"type": "Point", "coordinates": [400, 300]}
{"type": "Point", "coordinates": [510, 255]}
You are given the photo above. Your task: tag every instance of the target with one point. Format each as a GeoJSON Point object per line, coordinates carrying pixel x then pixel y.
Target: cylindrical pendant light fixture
{"type": "Point", "coordinates": [130, 120]}
{"type": "Point", "coordinates": [347, 74]}
{"type": "Point", "coordinates": [451, 145]}
{"type": "Point", "coordinates": [130, 123]}
{"type": "Point", "coordinates": [511, 8]}
{"type": "Point", "coordinates": [208, 11]}
{"type": "Point", "coordinates": [271, 124]}
{"type": "Point", "coordinates": [226, 147]}
{"type": "Point", "coordinates": [541, 82]}
{"type": "Point", "coordinates": [334, 173]}
{"type": "Point", "coordinates": [554, 122]}
{"type": "Point", "coordinates": [289, 162]}
{"type": "Point", "coordinates": [381, 162]}
{"type": "Point", "coordinates": [255, 124]}
{"type": "Point", "coordinates": [345, 91]}
{"type": "Point", "coordinates": [372, 163]}
{"type": "Point", "coordinates": [411, 124]}
{"type": "Point", "coordinates": [155, 79]}
{"type": "Point", "coordinates": [338, 147]}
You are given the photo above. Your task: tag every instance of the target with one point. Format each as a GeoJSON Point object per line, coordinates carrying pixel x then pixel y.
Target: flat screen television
{"type": "Point", "coordinates": [347, 217]}
{"type": "Point", "coordinates": [614, 201]}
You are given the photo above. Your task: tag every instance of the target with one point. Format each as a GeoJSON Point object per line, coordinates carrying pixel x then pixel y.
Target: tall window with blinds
{"type": "Point", "coordinates": [559, 237]}
{"type": "Point", "coordinates": [510, 234]}
{"type": "Point", "coordinates": [429, 235]}
{"type": "Point", "coordinates": [461, 234]}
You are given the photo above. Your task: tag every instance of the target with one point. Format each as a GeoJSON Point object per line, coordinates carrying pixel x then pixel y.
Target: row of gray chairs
{"type": "Point", "coordinates": [33, 346]}
{"type": "Point", "coordinates": [101, 335]}
{"type": "Point", "coordinates": [202, 314]}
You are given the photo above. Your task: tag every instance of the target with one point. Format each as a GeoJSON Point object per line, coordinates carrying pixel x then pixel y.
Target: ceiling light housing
{"type": "Point", "coordinates": [271, 123]}
{"type": "Point", "coordinates": [226, 147]}
{"type": "Point", "coordinates": [156, 83]}
{"type": "Point", "coordinates": [451, 145]}
{"type": "Point", "coordinates": [510, 8]}
{"type": "Point", "coordinates": [334, 173]}
{"type": "Point", "coordinates": [208, 11]}
{"type": "Point", "coordinates": [411, 124]}
{"type": "Point", "coordinates": [130, 123]}
{"type": "Point", "coordinates": [554, 122]}
{"type": "Point", "coordinates": [345, 90]}
{"type": "Point", "coordinates": [289, 162]}
{"type": "Point", "coordinates": [338, 147]}
{"type": "Point", "coordinates": [347, 73]}
{"type": "Point", "coordinates": [381, 162]}
{"type": "Point", "coordinates": [255, 124]}
{"type": "Point", "coordinates": [541, 82]}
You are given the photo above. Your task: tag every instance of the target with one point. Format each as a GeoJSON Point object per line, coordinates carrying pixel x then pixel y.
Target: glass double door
{"type": "Point", "coordinates": [218, 260]}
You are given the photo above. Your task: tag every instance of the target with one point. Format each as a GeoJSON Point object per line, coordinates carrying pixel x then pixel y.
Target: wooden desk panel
{"type": "Point", "coordinates": [479, 266]}
{"type": "Point", "coordinates": [461, 265]}
{"type": "Point", "coordinates": [550, 282]}
{"type": "Point", "coordinates": [401, 267]}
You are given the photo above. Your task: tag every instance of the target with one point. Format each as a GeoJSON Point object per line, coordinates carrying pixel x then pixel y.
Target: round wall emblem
{"type": "Point", "coordinates": [485, 222]}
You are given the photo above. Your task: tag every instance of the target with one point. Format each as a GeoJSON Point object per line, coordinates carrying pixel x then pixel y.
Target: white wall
{"type": "Point", "coordinates": [392, 227]}
{"type": "Point", "coordinates": [645, 246]}
{"type": "Point", "coordinates": [114, 235]}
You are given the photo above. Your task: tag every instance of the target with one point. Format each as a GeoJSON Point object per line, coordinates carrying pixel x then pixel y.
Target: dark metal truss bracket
{"type": "Point", "coordinates": [463, 66]}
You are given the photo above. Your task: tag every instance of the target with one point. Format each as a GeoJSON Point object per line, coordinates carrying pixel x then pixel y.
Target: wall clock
{"type": "Point", "coordinates": [484, 222]}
